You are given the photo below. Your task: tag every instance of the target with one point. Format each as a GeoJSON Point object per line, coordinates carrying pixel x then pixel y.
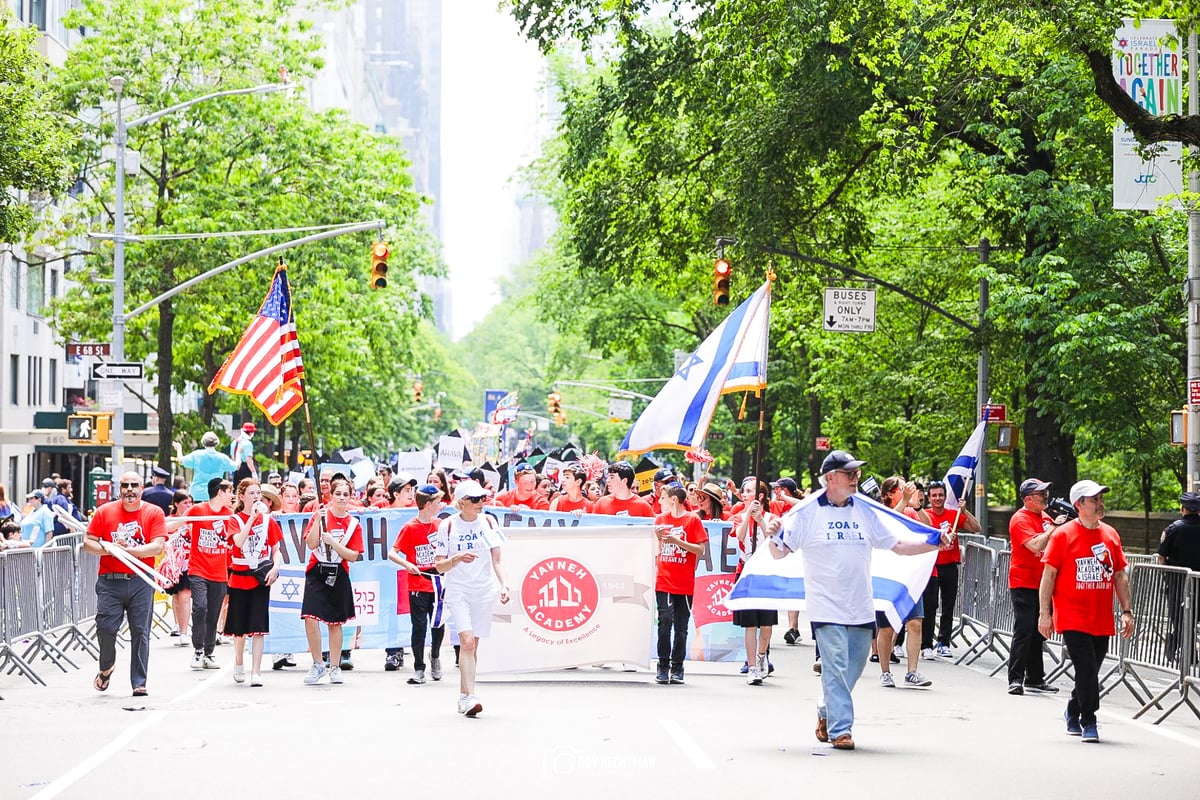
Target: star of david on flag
{"type": "Point", "coordinates": [732, 359]}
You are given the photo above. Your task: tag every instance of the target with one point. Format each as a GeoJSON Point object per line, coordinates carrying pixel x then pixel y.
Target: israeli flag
{"type": "Point", "coordinates": [896, 581]}
{"type": "Point", "coordinates": [961, 474]}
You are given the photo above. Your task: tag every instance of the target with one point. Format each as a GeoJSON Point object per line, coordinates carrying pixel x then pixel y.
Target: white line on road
{"type": "Point", "coordinates": [687, 744]}
{"type": "Point", "coordinates": [1173, 735]}
{"type": "Point", "coordinates": [117, 744]}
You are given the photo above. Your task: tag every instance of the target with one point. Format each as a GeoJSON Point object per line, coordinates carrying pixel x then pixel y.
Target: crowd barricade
{"type": "Point", "coordinates": [1191, 673]}
{"type": "Point", "coordinates": [22, 611]}
{"type": "Point", "coordinates": [977, 538]}
{"type": "Point", "coordinates": [56, 595]}
{"type": "Point", "coordinates": [66, 540]}
{"type": "Point", "coordinates": [997, 543]}
{"type": "Point", "coordinates": [977, 580]}
{"type": "Point", "coordinates": [86, 574]}
{"type": "Point", "coordinates": [10, 608]}
{"type": "Point", "coordinates": [1004, 620]}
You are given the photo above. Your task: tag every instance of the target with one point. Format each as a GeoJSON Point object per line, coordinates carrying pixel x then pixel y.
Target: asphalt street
{"type": "Point", "coordinates": [589, 732]}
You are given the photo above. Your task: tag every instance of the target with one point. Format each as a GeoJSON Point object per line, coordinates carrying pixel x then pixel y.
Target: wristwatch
{"type": "Point", "coordinates": [1128, 611]}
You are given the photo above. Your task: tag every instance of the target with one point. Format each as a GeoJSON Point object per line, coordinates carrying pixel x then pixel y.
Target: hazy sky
{"type": "Point", "coordinates": [490, 112]}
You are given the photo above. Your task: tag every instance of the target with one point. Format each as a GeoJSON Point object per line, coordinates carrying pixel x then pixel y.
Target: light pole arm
{"type": "Point", "coordinates": [266, 88]}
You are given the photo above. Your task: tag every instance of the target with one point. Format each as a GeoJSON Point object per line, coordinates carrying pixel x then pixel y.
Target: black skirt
{"type": "Point", "coordinates": [184, 583]}
{"type": "Point", "coordinates": [332, 605]}
{"type": "Point", "coordinates": [249, 612]}
{"type": "Point", "coordinates": [755, 619]}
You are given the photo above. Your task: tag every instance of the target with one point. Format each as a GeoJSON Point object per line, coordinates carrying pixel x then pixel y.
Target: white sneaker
{"type": "Point", "coordinates": [435, 668]}
{"type": "Point", "coordinates": [898, 652]}
{"type": "Point", "coordinates": [754, 677]}
{"type": "Point", "coordinates": [198, 660]}
{"type": "Point", "coordinates": [315, 673]}
{"type": "Point", "coordinates": [335, 675]}
{"type": "Point", "coordinates": [916, 679]}
{"type": "Point", "coordinates": [886, 680]}
{"type": "Point", "coordinates": [256, 679]}
{"type": "Point", "coordinates": [928, 655]}
{"type": "Point", "coordinates": [462, 703]}
{"type": "Point", "coordinates": [239, 673]}
{"type": "Point", "coordinates": [473, 706]}
{"type": "Point", "coordinates": [210, 663]}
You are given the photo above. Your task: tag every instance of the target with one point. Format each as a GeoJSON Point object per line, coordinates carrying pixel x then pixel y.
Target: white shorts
{"type": "Point", "coordinates": [470, 614]}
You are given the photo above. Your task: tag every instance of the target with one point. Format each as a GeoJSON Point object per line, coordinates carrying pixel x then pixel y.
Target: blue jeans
{"type": "Point", "coordinates": [116, 599]}
{"type": "Point", "coordinates": [844, 652]}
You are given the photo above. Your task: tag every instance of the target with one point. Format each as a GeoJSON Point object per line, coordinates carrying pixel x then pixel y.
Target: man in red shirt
{"type": "Point", "coordinates": [681, 538]}
{"type": "Point", "coordinates": [413, 552]}
{"type": "Point", "coordinates": [525, 495]}
{"type": "Point", "coordinates": [620, 501]}
{"type": "Point", "coordinates": [208, 567]}
{"type": "Point", "coordinates": [944, 583]}
{"type": "Point", "coordinates": [1029, 531]}
{"type": "Point", "coordinates": [1084, 564]}
{"type": "Point", "coordinates": [140, 529]}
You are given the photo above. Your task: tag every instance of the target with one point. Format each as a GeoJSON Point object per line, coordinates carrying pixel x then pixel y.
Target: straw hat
{"type": "Point", "coordinates": [271, 495]}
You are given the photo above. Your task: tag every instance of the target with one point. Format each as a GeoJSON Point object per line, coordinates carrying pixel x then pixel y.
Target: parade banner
{"type": "Point", "coordinates": [1148, 64]}
{"type": "Point", "coordinates": [381, 588]}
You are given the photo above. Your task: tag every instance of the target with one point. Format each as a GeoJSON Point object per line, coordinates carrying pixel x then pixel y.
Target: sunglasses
{"type": "Point", "coordinates": [130, 485]}
{"type": "Point", "coordinates": [474, 499]}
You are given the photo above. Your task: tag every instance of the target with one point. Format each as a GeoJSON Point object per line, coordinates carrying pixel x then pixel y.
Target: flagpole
{"type": "Point", "coordinates": [762, 398]}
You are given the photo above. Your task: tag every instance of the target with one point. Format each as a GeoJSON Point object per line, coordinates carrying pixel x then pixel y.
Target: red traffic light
{"type": "Point", "coordinates": [721, 274]}
{"type": "Point", "coordinates": [379, 265]}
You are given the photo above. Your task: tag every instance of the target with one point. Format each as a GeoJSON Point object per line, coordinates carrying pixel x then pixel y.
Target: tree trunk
{"type": "Point", "coordinates": [814, 430]}
{"type": "Point", "coordinates": [208, 403]}
{"type": "Point", "coordinates": [166, 365]}
{"type": "Point", "coordinates": [1049, 451]}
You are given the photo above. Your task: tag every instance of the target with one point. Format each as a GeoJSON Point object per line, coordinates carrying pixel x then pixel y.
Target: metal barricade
{"type": "Point", "coordinates": [977, 538]}
{"type": "Point", "coordinates": [86, 574]}
{"type": "Point", "coordinates": [19, 604]}
{"type": "Point", "coordinates": [997, 543]}
{"type": "Point", "coordinates": [977, 583]}
{"type": "Point", "coordinates": [1191, 672]}
{"type": "Point", "coordinates": [66, 540]}
{"type": "Point", "coordinates": [1003, 618]}
{"type": "Point", "coordinates": [57, 586]}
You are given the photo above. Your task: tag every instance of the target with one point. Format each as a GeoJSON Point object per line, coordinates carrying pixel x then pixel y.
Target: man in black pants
{"type": "Point", "coordinates": [413, 552]}
{"type": "Point", "coordinates": [944, 585]}
{"type": "Point", "coordinates": [1029, 531]}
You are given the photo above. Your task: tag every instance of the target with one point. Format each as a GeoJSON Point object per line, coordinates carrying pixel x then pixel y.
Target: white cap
{"type": "Point", "coordinates": [466, 489]}
{"type": "Point", "coordinates": [1086, 489]}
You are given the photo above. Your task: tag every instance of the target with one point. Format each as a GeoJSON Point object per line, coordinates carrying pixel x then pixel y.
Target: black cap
{"type": "Point", "coordinates": [663, 475]}
{"type": "Point", "coordinates": [839, 459]}
{"type": "Point", "coordinates": [1031, 485]}
{"type": "Point", "coordinates": [786, 483]}
{"type": "Point", "coordinates": [159, 472]}
{"type": "Point", "coordinates": [1190, 501]}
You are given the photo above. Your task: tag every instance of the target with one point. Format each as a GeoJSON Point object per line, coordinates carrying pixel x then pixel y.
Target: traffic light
{"type": "Point", "coordinates": [81, 427]}
{"type": "Point", "coordinates": [721, 273]}
{"type": "Point", "coordinates": [418, 391]}
{"type": "Point", "coordinates": [379, 267]}
{"type": "Point", "coordinates": [554, 406]}
{"type": "Point", "coordinates": [104, 428]}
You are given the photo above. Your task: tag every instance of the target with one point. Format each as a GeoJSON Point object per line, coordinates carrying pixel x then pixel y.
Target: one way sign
{"type": "Point", "coordinates": [849, 310]}
{"type": "Point", "coordinates": [112, 370]}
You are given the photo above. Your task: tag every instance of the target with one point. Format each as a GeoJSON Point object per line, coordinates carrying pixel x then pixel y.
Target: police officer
{"type": "Point", "coordinates": [1180, 542]}
{"type": "Point", "coordinates": [158, 493]}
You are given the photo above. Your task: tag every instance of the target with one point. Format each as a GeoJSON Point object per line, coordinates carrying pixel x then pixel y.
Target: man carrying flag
{"type": "Point", "coordinates": [836, 534]}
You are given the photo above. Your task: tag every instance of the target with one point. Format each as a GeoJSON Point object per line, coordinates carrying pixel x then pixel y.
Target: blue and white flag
{"type": "Point", "coordinates": [961, 474]}
{"type": "Point", "coordinates": [732, 359]}
{"type": "Point", "coordinates": [896, 581]}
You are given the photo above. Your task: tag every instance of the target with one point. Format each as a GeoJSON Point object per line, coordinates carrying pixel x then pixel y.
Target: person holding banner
{"type": "Point", "coordinates": [467, 553]}
{"type": "Point", "coordinates": [413, 551]}
{"type": "Point", "coordinates": [525, 494]}
{"type": "Point", "coordinates": [748, 531]}
{"type": "Point", "coordinates": [335, 541]}
{"type": "Point", "coordinates": [836, 540]}
{"type": "Point", "coordinates": [620, 500]}
{"type": "Point", "coordinates": [681, 540]}
{"type": "Point", "coordinates": [254, 544]}
{"type": "Point", "coordinates": [138, 529]}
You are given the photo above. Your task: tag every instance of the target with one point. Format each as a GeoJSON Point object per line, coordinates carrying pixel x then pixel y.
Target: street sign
{"type": "Point", "coordinates": [993, 412]}
{"type": "Point", "coordinates": [1193, 392]}
{"type": "Point", "coordinates": [110, 370]}
{"type": "Point", "coordinates": [76, 349]}
{"type": "Point", "coordinates": [849, 310]}
{"type": "Point", "coordinates": [822, 443]}
{"type": "Point", "coordinates": [620, 408]}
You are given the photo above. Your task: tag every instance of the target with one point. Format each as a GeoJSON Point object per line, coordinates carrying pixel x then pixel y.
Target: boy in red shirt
{"type": "Point", "coordinates": [208, 567]}
{"type": "Point", "coordinates": [413, 551]}
{"type": "Point", "coordinates": [681, 538]}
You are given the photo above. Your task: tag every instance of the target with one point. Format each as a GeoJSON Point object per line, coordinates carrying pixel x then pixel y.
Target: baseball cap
{"type": "Point", "coordinates": [37, 493]}
{"type": "Point", "coordinates": [404, 479]}
{"type": "Point", "coordinates": [522, 468]}
{"type": "Point", "coordinates": [1031, 485]}
{"type": "Point", "coordinates": [1086, 489]}
{"type": "Point", "coordinates": [1190, 501]}
{"type": "Point", "coordinates": [663, 475]}
{"type": "Point", "coordinates": [469, 490]}
{"type": "Point", "coordinates": [839, 459]}
{"type": "Point", "coordinates": [249, 427]}
{"type": "Point", "coordinates": [48, 482]}
{"type": "Point", "coordinates": [785, 483]}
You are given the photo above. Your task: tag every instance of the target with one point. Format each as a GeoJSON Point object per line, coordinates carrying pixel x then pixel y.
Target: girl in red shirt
{"type": "Point", "coordinates": [335, 539]}
{"type": "Point", "coordinates": [254, 543]}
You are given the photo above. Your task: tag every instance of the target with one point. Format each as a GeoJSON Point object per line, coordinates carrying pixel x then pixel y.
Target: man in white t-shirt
{"type": "Point", "coordinates": [836, 541]}
{"type": "Point", "coordinates": [467, 552]}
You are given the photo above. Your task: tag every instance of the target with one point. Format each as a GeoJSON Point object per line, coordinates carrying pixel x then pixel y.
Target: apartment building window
{"type": "Point", "coordinates": [12, 475]}
{"type": "Point", "coordinates": [35, 285]}
{"type": "Point", "coordinates": [53, 284]}
{"type": "Point", "coordinates": [37, 13]}
{"type": "Point", "coordinates": [30, 380]}
{"type": "Point", "coordinates": [54, 398]}
{"type": "Point", "coordinates": [14, 379]}
{"type": "Point", "coordinates": [14, 295]}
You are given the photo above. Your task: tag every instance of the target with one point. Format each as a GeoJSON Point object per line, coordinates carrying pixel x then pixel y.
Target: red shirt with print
{"type": "Point", "coordinates": [1025, 567]}
{"type": "Point", "coordinates": [338, 527]}
{"type": "Point", "coordinates": [676, 567]}
{"type": "Point", "coordinates": [1086, 560]}
{"type": "Point", "coordinates": [947, 553]}
{"type": "Point", "coordinates": [414, 544]}
{"type": "Point", "coordinates": [112, 523]}
{"type": "Point", "coordinates": [632, 507]}
{"type": "Point", "coordinates": [263, 536]}
{"type": "Point", "coordinates": [210, 543]}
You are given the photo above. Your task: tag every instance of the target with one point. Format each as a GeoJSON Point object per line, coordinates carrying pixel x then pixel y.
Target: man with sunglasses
{"type": "Point", "coordinates": [836, 540]}
{"type": "Point", "coordinates": [140, 529]}
{"type": "Point", "coordinates": [208, 567]}
{"type": "Point", "coordinates": [1029, 531]}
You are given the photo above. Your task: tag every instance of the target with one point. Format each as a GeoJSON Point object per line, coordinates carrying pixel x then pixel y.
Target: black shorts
{"type": "Point", "coordinates": [755, 619]}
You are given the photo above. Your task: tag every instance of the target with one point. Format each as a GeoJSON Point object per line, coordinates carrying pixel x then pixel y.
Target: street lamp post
{"type": "Point", "coordinates": [119, 317]}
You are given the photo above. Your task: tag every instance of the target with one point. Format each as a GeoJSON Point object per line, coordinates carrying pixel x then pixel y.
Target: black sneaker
{"type": "Point", "coordinates": [1041, 688]}
{"type": "Point", "coordinates": [283, 660]}
{"type": "Point", "coordinates": [391, 663]}
{"type": "Point", "coordinates": [792, 636]}
{"type": "Point", "coordinates": [677, 676]}
{"type": "Point", "coordinates": [661, 676]}
{"type": "Point", "coordinates": [1016, 688]}
{"type": "Point", "coordinates": [347, 665]}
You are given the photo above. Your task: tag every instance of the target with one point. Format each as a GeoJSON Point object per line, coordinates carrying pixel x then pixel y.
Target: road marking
{"type": "Point", "coordinates": [687, 744]}
{"type": "Point", "coordinates": [128, 735]}
{"type": "Point", "coordinates": [1168, 733]}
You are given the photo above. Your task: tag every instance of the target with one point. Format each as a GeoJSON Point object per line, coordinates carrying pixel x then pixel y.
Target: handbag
{"type": "Point", "coordinates": [261, 572]}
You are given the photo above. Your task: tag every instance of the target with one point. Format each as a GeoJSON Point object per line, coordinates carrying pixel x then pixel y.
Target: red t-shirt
{"type": "Point", "coordinates": [947, 553]}
{"type": "Point", "coordinates": [564, 503]}
{"type": "Point", "coordinates": [210, 543]}
{"type": "Point", "coordinates": [754, 538]}
{"type": "Point", "coordinates": [1025, 567]}
{"type": "Point", "coordinates": [112, 523]}
{"type": "Point", "coordinates": [413, 543]}
{"type": "Point", "coordinates": [633, 507]}
{"type": "Point", "coordinates": [262, 538]}
{"type": "Point", "coordinates": [1086, 560]}
{"type": "Point", "coordinates": [339, 527]}
{"type": "Point", "coordinates": [509, 499]}
{"type": "Point", "coordinates": [676, 567]}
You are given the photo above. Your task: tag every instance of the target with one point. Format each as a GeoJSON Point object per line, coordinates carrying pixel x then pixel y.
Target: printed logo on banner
{"type": "Point", "coordinates": [709, 605]}
{"type": "Point", "coordinates": [559, 594]}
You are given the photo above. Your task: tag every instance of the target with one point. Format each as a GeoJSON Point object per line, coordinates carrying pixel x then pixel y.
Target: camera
{"type": "Point", "coordinates": [1059, 506]}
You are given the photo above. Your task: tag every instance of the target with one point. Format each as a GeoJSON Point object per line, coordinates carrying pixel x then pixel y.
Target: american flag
{"type": "Point", "coordinates": [266, 363]}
